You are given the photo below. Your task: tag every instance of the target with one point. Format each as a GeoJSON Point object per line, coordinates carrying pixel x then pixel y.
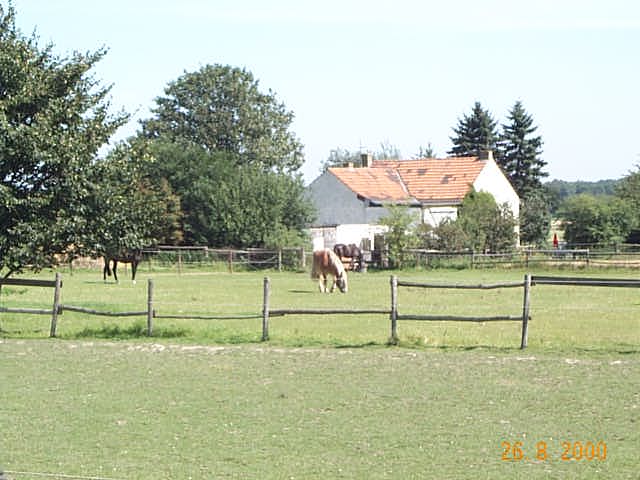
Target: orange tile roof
{"type": "Point", "coordinates": [425, 180]}
{"type": "Point", "coordinates": [377, 184]}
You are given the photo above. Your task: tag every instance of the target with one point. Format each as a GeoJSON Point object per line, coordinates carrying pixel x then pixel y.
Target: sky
{"type": "Point", "coordinates": [359, 73]}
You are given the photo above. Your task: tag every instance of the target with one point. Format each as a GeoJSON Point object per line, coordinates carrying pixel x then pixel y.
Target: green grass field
{"type": "Point", "coordinates": [326, 397]}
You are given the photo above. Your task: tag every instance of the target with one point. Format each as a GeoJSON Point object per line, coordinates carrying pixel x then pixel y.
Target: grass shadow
{"type": "Point", "coordinates": [138, 330]}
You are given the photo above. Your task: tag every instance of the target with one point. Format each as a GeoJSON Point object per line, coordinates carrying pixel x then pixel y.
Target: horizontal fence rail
{"type": "Point", "coordinates": [587, 282]}
{"type": "Point", "coordinates": [90, 311]}
{"type": "Point", "coordinates": [468, 287]}
{"type": "Point", "coordinates": [27, 282]}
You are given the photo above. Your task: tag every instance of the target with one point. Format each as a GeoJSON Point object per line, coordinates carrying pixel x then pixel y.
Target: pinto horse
{"type": "Point", "coordinates": [134, 257]}
{"type": "Point", "coordinates": [352, 252]}
{"type": "Point", "coordinates": [325, 263]}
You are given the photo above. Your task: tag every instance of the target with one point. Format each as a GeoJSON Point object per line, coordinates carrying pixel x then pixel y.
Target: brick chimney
{"type": "Point", "coordinates": [486, 154]}
{"type": "Point", "coordinates": [367, 159]}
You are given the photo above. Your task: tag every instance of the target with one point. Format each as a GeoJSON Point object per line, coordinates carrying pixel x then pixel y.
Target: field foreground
{"type": "Point", "coordinates": [140, 410]}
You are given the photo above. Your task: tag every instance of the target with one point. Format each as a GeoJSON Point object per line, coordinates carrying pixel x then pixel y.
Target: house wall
{"type": "Point", "coordinates": [435, 215]}
{"type": "Point", "coordinates": [341, 217]}
{"type": "Point", "coordinates": [493, 181]}
{"type": "Point", "coordinates": [338, 205]}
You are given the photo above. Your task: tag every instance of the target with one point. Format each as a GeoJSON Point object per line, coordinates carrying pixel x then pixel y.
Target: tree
{"type": "Point", "coordinates": [221, 109]}
{"type": "Point", "coordinates": [474, 133]}
{"type": "Point", "coordinates": [401, 234]}
{"type": "Point", "coordinates": [340, 157]}
{"type": "Point", "coordinates": [54, 116]}
{"type": "Point", "coordinates": [487, 226]}
{"type": "Point", "coordinates": [519, 152]}
{"type": "Point", "coordinates": [628, 189]}
{"type": "Point", "coordinates": [225, 204]}
{"type": "Point", "coordinates": [588, 219]}
{"type": "Point", "coordinates": [535, 217]}
{"type": "Point", "coordinates": [129, 209]}
{"type": "Point", "coordinates": [425, 152]}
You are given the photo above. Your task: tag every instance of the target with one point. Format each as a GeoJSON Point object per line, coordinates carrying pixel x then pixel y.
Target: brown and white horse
{"type": "Point", "coordinates": [325, 263]}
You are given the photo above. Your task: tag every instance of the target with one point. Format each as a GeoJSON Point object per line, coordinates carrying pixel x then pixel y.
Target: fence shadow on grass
{"type": "Point", "coordinates": [137, 330]}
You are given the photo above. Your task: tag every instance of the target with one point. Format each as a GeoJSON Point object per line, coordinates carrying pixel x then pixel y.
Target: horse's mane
{"type": "Point", "coordinates": [335, 260]}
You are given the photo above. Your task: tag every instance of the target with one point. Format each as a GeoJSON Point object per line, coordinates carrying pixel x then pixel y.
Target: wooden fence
{"type": "Point", "coordinates": [56, 309]}
{"type": "Point", "coordinates": [524, 317]}
{"type": "Point", "coordinates": [249, 258]}
{"type": "Point", "coordinates": [267, 312]}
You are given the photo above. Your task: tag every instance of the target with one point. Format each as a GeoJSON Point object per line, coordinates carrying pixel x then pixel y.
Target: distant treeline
{"type": "Point", "coordinates": [562, 189]}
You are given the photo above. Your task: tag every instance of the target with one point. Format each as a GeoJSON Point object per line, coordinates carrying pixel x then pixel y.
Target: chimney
{"type": "Point", "coordinates": [366, 159]}
{"type": "Point", "coordinates": [486, 154]}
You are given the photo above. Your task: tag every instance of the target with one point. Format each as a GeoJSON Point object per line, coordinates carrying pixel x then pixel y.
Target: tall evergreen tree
{"type": "Point", "coordinates": [519, 156]}
{"type": "Point", "coordinates": [474, 133]}
{"type": "Point", "coordinates": [519, 151]}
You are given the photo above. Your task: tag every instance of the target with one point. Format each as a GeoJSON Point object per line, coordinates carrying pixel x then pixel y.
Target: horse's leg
{"type": "Point", "coordinates": [115, 275]}
{"type": "Point", "coordinates": [134, 267]}
{"type": "Point", "coordinates": [333, 285]}
{"type": "Point", "coordinates": [105, 270]}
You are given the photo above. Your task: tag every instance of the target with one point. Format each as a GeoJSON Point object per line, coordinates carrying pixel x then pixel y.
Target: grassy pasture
{"type": "Point", "coordinates": [132, 410]}
{"type": "Point", "coordinates": [325, 397]}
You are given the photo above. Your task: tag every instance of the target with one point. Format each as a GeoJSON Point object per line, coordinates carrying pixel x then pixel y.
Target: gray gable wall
{"type": "Point", "coordinates": [338, 205]}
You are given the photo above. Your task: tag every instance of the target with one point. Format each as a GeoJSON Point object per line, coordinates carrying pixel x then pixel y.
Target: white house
{"type": "Point", "coordinates": [351, 200]}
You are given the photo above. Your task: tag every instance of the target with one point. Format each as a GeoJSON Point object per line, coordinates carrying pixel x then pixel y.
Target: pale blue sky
{"type": "Point", "coordinates": [357, 73]}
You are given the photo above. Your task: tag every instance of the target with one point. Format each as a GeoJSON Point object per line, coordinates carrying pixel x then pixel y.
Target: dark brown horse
{"type": "Point", "coordinates": [134, 257]}
{"type": "Point", "coordinates": [326, 263]}
{"type": "Point", "coordinates": [351, 253]}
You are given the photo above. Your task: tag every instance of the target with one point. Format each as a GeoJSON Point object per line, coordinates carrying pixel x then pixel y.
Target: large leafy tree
{"type": "Point", "coordinates": [130, 208]}
{"type": "Point", "coordinates": [519, 151]}
{"type": "Point", "coordinates": [589, 220]}
{"type": "Point", "coordinates": [54, 116]}
{"type": "Point", "coordinates": [474, 133]}
{"type": "Point", "coordinates": [221, 109]}
{"type": "Point", "coordinates": [225, 204]}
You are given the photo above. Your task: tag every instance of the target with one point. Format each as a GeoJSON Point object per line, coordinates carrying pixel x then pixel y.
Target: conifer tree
{"type": "Point", "coordinates": [474, 133]}
{"type": "Point", "coordinates": [519, 152]}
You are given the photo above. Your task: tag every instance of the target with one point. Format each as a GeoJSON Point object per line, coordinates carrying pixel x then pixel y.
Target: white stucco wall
{"type": "Point", "coordinates": [493, 181]}
{"type": "Point", "coordinates": [435, 215]}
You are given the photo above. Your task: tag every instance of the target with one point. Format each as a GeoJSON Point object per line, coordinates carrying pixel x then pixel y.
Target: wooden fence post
{"type": "Point", "coordinates": [525, 310]}
{"type": "Point", "coordinates": [265, 309]}
{"type": "Point", "coordinates": [279, 259]}
{"type": "Point", "coordinates": [302, 258]}
{"type": "Point", "coordinates": [394, 310]}
{"type": "Point", "coordinates": [56, 305]}
{"type": "Point", "coordinates": [230, 260]}
{"type": "Point", "coordinates": [150, 307]}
